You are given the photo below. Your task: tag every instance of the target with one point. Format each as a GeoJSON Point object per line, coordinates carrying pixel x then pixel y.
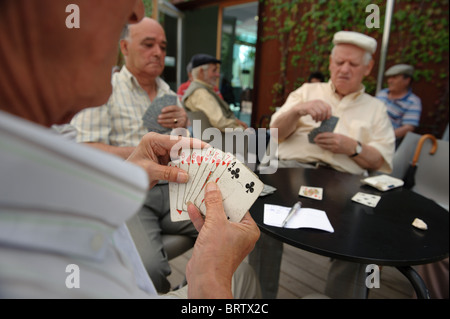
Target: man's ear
{"type": "Point", "coordinates": [369, 67]}
{"type": "Point", "coordinates": [124, 47]}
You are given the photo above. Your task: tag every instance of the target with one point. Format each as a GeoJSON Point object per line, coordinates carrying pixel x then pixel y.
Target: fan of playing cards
{"type": "Point", "coordinates": [240, 187]}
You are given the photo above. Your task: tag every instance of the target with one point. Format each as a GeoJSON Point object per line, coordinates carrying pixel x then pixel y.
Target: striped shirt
{"type": "Point", "coordinates": [119, 121]}
{"type": "Point", "coordinates": [404, 111]}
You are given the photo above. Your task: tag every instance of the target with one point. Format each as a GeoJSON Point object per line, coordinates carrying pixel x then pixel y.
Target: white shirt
{"type": "Point", "coordinates": [361, 117]}
{"type": "Point", "coordinates": [65, 204]}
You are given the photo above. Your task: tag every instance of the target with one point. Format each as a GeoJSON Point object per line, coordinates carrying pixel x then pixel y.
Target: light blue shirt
{"type": "Point", "coordinates": [403, 111]}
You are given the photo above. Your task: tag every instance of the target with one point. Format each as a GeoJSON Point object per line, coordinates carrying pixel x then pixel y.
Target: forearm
{"type": "Point", "coordinates": [402, 130]}
{"type": "Point", "coordinates": [369, 158]}
{"type": "Point", "coordinates": [286, 123]}
{"type": "Point", "coordinates": [121, 151]}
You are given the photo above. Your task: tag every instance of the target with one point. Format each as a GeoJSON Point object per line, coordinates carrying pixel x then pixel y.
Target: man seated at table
{"type": "Point", "coordinates": [117, 127]}
{"type": "Point", "coordinates": [363, 139]}
{"type": "Point", "coordinates": [200, 96]}
{"type": "Point", "coordinates": [63, 205]}
{"type": "Point", "coordinates": [403, 106]}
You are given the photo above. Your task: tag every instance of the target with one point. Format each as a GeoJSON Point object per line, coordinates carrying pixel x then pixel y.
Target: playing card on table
{"type": "Point", "coordinates": [150, 117]}
{"type": "Point", "coordinates": [325, 126]}
{"type": "Point", "coordinates": [311, 192]}
{"type": "Point", "coordinates": [366, 199]}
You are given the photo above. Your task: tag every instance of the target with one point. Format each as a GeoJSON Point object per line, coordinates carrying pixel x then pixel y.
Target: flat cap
{"type": "Point", "coordinates": [400, 69]}
{"type": "Point", "coordinates": [201, 59]}
{"type": "Point", "coordinates": [363, 41]}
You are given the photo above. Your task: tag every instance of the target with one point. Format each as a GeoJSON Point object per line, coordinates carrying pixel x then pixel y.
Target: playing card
{"type": "Point", "coordinates": [311, 192]}
{"type": "Point", "coordinates": [150, 117]}
{"type": "Point", "coordinates": [199, 176]}
{"type": "Point", "coordinates": [194, 166]}
{"type": "Point", "coordinates": [240, 187]}
{"type": "Point", "coordinates": [185, 162]}
{"type": "Point", "coordinates": [210, 161]}
{"type": "Point", "coordinates": [175, 214]}
{"type": "Point", "coordinates": [325, 126]}
{"type": "Point", "coordinates": [366, 199]}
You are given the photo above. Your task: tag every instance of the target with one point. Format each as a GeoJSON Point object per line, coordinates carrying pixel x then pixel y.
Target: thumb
{"type": "Point", "coordinates": [213, 201]}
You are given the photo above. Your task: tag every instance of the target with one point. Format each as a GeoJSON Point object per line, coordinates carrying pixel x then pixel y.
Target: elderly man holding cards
{"type": "Point", "coordinates": [63, 205]}
{"type": "Point", "coordinates": [337, 124]}
{"type": "Point", "coordinates": [140, 102]}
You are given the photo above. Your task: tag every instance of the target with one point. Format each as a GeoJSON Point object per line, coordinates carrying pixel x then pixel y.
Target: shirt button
{"type": "Point", "coordinates": [97, 242]}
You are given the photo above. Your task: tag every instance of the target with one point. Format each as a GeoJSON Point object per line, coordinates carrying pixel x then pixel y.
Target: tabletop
{"type": "Point", "coordinates": [383, 235]}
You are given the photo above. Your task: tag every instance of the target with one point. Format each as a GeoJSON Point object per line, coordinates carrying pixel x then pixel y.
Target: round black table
{"type": "Point", "coordinates": [383, 235]}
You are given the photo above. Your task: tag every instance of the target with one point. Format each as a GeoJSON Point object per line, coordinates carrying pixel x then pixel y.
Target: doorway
{"type": "Point", "coordinates": [238, 49]}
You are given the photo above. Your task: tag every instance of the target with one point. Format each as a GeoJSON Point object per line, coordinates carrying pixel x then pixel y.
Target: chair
{"type": "Point", "coordinates": [432, 181]}
{"type": "Point", "coordinates": [432, 172]}
{"type": "Point", "coordinates": [245, 152]}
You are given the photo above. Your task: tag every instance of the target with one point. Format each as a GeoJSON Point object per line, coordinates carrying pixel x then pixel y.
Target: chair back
{"type": "Point", "coordinates": [242, 144]}
{"type": "Point", "coordinates": [432, 174]}
{"type": "Point", "coordinates": [432, 170]}
{"type": "Point", "coordinates": [404, 154]}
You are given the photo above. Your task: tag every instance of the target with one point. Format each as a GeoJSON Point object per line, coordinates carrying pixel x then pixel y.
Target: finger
{"type": "Point", "coordinates": [169, 109]}
{"type": "Point", "coordinates": [169, 173]}
{"type": "Point", "coordinates": [213, 202]}
{"type": "Point", "coordinates": [195, 216]}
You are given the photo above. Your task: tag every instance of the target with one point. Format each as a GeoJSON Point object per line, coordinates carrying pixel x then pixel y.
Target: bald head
{"type": "Point", "coordinates": [144, 47]}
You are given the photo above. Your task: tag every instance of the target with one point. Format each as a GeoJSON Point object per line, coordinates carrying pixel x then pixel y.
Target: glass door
{"type": "Point", "coordinates": [238, 49]}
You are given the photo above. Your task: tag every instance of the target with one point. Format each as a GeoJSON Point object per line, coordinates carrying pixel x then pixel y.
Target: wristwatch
{"type": "Point", "coordinates": [357, 150]}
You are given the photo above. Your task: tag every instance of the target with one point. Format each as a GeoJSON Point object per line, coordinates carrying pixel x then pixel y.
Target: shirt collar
{"type": "Point", "coordinates": [351, 96]}
{"type": "Point", "coordinates": [132, 82]}
{"type": "Point", "coordinates": [204, 83]}
{"type": "Point", "coordinates": [404, 97]}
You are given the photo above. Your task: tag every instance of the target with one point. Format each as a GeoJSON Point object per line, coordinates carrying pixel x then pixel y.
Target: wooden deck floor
{"type": "Point", "coordinates": [304, 273]}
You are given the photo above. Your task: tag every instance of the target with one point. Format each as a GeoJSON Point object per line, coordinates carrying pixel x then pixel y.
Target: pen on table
{"type": "Point", "coordinates": [295, 208]}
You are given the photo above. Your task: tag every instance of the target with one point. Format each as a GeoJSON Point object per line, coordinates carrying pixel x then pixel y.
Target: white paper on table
{"type": "Point", "coordinates": [274, 215]}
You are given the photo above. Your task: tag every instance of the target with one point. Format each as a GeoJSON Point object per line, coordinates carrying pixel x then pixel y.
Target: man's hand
{"type": "Point", "coordinates": [154, 153]}
{"type": "Point", "coordinates": [241, 123]}
{"type": "Point", "coordinates": [318, 109]}
{"type": "Point", "coordinates": [220, 247]}
{"type": "Point", "coordinates": [173, 116]}
{"type": "Point", "coordinates": [336, 143]}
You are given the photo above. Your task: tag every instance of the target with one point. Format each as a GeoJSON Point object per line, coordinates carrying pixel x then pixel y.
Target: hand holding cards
{"type": "Point", "coordinates": [239, 186]}
{"type": "Point", "coordinates": [326, 126]}
{"type": "Point", "coordinates": [150, 117]}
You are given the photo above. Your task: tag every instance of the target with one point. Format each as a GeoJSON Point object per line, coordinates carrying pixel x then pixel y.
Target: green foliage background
{"type": "Point", "coordinates": [304, 30]}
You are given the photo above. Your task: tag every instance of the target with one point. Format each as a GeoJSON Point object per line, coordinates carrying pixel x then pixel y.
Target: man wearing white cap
{"type": "Point", "coordinates": [363, 139]}
{"type": "Point", "coordinates": [403, 106]}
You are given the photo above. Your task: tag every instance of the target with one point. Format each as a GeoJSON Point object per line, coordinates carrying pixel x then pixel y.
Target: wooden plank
{"type": "Point", "coordinates": [303, 273]}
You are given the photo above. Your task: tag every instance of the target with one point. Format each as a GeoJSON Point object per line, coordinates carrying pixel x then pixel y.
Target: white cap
{"type": "Point", "coordinates": [400, 69]}
{"type": "Point", "coordinates": [363, 41]}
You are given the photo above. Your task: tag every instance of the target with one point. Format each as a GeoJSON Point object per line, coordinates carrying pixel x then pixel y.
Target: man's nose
{"type": "Point", "coordinates": [345, 67]}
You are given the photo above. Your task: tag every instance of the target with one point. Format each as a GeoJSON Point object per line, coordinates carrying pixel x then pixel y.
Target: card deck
{"type": "Point", "coordinates": [366, 199]}
{"type": "Point", "coordinates": [325, 126]}
{"type": "Point", "coordinates": [239, 186]}
{"type": "Point", "coordinates": [150, 117]}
